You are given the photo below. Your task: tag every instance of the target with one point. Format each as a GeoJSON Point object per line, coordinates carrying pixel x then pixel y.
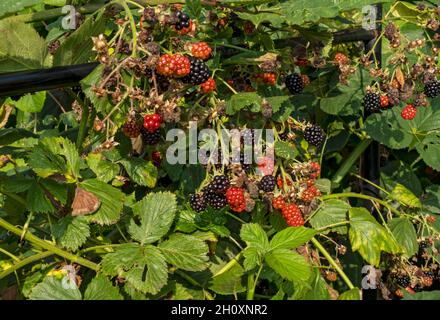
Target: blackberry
{"type": "Point", "coordinates": [432, 89]}
{"type": "Point", "coordinates": [314, 135]}
{"type": "Point", "coordinates": [150, 138]}
{"type": "Point", "coordinates": [403, 281]}
{"type": "Point", "coordinates": [423, 245]}
{"type": "Point", "coordinates": [199, 72]}
{"type": "Point", "coordinates": [371, 102]}
{"type": "Point", "coordinates": [216, 200]}
{"type": "Point", "coordinates": [182, 20]}
{"type": "Point", "coordinates": [131, 129]}
{"type": "Point", "coordinates": [220, 184]}
{"type": "Point", "coordinates": [243, 161]}
{"type": "Point", "coordinates": [197, 202]}
{"type": "Point", "coordinates": [294, 83]}
{"type": "Point", "coordinates": [284, 136]}
{"type": "Point", "coordinates": [267, 183]}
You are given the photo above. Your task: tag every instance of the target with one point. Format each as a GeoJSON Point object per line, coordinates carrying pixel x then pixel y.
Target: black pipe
{"type": "Point", "coordinates": [17, 83]}
{"type": "Point", "coordinates": [370, 161]}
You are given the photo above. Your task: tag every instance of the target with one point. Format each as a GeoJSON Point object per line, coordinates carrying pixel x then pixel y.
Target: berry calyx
{"type": "Point", "coordinates": [314, 135]}
{"type": "Point", "coordinates": [371, 102]}
{"type": "Point", "coordinates": [409, 112]}
{"type": "Point", "coordinates": [278, 202]}
{"type": "Point", "coordinates": [236, 199]}
{"type": "Point", "coordinates": [294, 83]}
{"type": "Point", "coordinates": [384, 102]}
{"type": "Point", "coordinates": [292, 215]}
{"type": "Point", "coordinates": [197, 202]}
{"type": "Point", "coordinates": [152, 122]}
{"type": "Point", "coordinates": [208, 86]}
{"type": "Point", "coordinates": [267, 183]}
{"type": "Point", "coordinates": [201, 50]}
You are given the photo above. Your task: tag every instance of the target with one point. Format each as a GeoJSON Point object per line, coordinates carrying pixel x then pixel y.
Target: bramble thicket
{"type": "Point", "coordinates": [92, 209]}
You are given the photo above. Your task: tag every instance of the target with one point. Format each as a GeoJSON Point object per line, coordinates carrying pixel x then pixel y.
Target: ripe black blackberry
{"type": "Point", "coordinates": [267, 183]}
{"type": "Point", "coordinates": [403, 281]}
{"type": "Point", "coordinates": [371, 102]}
{"type": "Point", "coordinates": [199, 72]}
{"type": "Point", "coordinates": [182, 20]}
{"type": "Point", "coordinates": [294, 83]}
{"type": "Point", "coordinates": [284, 136]}
{"type": "Point", "coordinates": [216, 200]}
{"type": "Point", "coordinates": [220, 184]}
{"type": "Point", "coordinates": [432, 89]}
{"type": "Point", "coordinates": [423, 245]}
{"type": "Point", "coordinates": [197, 202]}
{"type": "Point", "coordinates": [314, 135]}
{"type": "Point", "coordinates": [150, 138]}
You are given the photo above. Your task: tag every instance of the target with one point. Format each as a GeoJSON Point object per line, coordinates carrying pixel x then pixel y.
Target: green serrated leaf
{"type": "Point", "coordinates": [10, 135]}
{"type": "Point", "coordinates": [156, 212]}
{"type": "Point", "coordinates": [52, 289]}
{"type": "Point", "coordinates": [229, 282]}
{"type": "Point", "coordinates": [405, 234]}
{"type": "Point", "coordinates": [255, 237]}
{"type": "Point", "coordinates": [21, 47]}
{"type": "Point", "coordinates": [291, 237]}
{"type": "Point", "coordinates": [12, 6]}
{"type": "Point", "coordinates": [104, 170]}
{"type": "Point", "coordinates": [288, 264]}
{"type": "Point", "coordinates": [31, 102]}
{"type": "Point", "coordinates": [142, 172]}
{"type": "Point", "coordinates": [331, 212]}
{"type": "Point", "coordinates": [100, 288]}
{"type": "Point", "coordinates": [403, 195]}
{"type": "Point", "coordinates": [37, 201]}
{"type": "Point", "coordinates": [77, 48]}
{"type": "Point", "coordinates": [285, 150]}
{"type": "Point", "coordinates": [242, 100]}
{"type": "Point", "coordinates": [353, 294]}
{"type": "Point", "coordinates": [71, 232]}
{"type": "Point", "coordinates": [185, 252]}
{"type": "Point", "coordinates": [112, 201]}
{"type": "Point", "coordinates": [369, 237]}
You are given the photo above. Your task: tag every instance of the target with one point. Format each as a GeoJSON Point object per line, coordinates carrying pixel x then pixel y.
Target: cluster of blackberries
{"type": "Point", "coordinates": [199, 72]}
{"type": "Point", "coordinates": [213, 194]}
{"type": "Point", "coordinates": [294, 83]}
{"type": "Point", "coordinates": [183, 20]}
{"type": "Point", "coordinates": [314, 135]}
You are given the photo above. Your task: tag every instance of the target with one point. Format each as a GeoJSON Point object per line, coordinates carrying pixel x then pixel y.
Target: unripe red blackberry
{"type": "Point", "coordinates": [236, 199]}
{"type": "Point", "coordinates": [294, 83]}
{"type": "Point", "coordinates": [131, 129]}
{"type": "Point", "coordinates": [292, 215]}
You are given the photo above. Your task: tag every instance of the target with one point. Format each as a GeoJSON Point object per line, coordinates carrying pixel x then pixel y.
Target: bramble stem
{"type": "Point", "coordinates": [48, 246]}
